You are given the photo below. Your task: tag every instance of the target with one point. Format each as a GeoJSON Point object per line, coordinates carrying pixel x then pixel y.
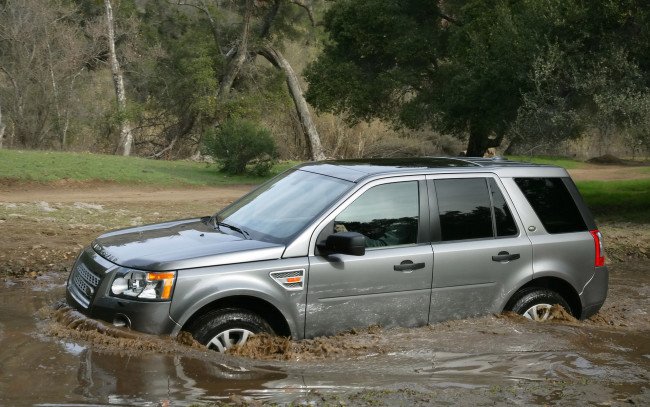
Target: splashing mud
{"type": "Point", "coordinates": [558, 313]}
{"type": "Point", "coordinates": [64, 322]}
{"type": "Point", "coordinates": [344, 345]}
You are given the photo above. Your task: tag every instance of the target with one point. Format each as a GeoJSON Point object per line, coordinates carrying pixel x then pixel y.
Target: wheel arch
{"type": "Point", "coordinates": [263, 308]}
{"type": "Point", "coordinates": [562, 287]}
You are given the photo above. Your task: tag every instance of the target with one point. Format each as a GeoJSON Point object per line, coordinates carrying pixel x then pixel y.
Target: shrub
{"type": "Point", "coordinates": [239, 142]}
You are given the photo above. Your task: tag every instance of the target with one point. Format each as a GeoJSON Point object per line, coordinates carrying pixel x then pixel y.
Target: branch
{"type": "Point", "coordinates": [203, 8]}
{"type": "Point", "coordinates": [450, 20]}
{"type": "Point", "coordinates": [164, 150]}
{"type": "Point", "coordinates": [309, 9]}
{"type": "Point", "coordinates": [274, 56]}
{"type": "Point", "coordinates": [269, 18]}
{"type": "Point", "coordinates": [184, 3]}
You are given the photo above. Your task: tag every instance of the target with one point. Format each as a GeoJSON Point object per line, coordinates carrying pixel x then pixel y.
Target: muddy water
{"type": "Point", "coordinates": [484, 361]}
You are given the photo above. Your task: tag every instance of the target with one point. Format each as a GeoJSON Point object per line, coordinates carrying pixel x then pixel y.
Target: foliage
{"type": "Point", "coordinates": [380, 52]}
{"type": "Point", "coordinates": [238, 142]}
{"type": "Point", "coordinates": [525, 73]}
{"type": "Point", "coordinates": [591, 77]}
{"type": "Point", "coordinates": [486, 70]}
{"type": "Point", "coordinates": [42, 55]}
{"type": "Point", "coordinates": [174, 57]}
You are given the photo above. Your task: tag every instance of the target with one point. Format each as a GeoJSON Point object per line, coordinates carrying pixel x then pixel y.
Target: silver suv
{"type": "Point", "coordinates": [330, 246]}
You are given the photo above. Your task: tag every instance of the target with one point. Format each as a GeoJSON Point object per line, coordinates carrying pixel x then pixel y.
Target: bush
{"type": "Point", "coordinates": [239, 142]}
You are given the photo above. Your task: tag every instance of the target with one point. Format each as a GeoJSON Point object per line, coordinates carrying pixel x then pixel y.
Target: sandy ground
{"type": "Point", "coordinates": [54, 220]}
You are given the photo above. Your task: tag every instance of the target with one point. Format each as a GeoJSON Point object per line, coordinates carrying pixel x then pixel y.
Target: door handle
{"type": "Point", "coordinates": [505, 256]}
{"type": "Point", "coordinates": [407, 266]}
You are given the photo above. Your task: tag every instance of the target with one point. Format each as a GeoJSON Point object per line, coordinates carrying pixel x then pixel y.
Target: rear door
{"type": "Point", "coordinates": [481, 253]}
{"type": "Point", "coordinates": [391, 284]}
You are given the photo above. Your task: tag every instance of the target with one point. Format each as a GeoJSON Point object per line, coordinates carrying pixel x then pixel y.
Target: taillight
{"type": "Point", "coordinates": [600, 251]}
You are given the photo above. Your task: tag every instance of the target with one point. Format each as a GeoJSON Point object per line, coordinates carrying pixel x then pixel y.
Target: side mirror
{"type": "Point", "coordinates": [351, 243]}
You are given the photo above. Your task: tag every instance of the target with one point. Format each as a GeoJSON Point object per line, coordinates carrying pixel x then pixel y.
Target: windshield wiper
{"type": "Point", "coordinates": [214, 221]}
{"type": "Point", "coordinates": [235, 228]}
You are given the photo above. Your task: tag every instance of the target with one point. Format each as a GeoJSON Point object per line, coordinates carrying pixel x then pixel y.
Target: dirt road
{"type": "Point", "coordinates": [54, 357]}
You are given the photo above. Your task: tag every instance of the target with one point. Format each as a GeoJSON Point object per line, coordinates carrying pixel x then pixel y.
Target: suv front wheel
{"type": "Point", "coordinates": [221, 329]}
{"type": "Point", "coordinates": [535, 303]}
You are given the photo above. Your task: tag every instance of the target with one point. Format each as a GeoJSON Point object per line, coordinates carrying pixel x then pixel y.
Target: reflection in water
{"type": "Point", "coordinates": [107, 377]}
{"type": "Point", "coordinates": [596, 359]}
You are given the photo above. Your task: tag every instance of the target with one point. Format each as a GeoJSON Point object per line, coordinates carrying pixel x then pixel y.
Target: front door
{"type": "Point", "coordinates": [391, 284]}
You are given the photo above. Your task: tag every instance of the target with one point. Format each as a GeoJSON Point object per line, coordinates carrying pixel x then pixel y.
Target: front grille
{"type": "Point", "coordinates": [84, 284]}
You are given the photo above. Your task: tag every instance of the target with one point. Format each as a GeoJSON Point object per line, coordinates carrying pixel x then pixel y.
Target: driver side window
{"type": "Point", "coordinates": [387, 215]}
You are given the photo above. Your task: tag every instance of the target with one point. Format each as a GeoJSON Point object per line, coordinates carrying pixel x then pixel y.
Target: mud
{"type": "Point", "coordinates": [51, 355]}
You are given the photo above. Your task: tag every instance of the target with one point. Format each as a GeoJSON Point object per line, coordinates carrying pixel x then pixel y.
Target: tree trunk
{"type": "Point", "coordinates": [126, 135]}
{"type": "Point", "coordinates": [213, 25]}
{"type": "Point", "coordinates": [235, 64]}
{"type": "Point", "coordinates": [18, 100]}
{"type": "Point", "coordinates": [313, 140]}
{"type": "Point", "coordinates": [55, 91]}
{"type": "Point", "coordinates": [2, 129]}
{"type": "Point", "coordinates": [480, 141]}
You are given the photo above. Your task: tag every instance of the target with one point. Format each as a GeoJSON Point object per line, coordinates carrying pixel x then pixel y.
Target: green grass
{"type": "Point", "coordinates": [613, 200]}
{"type": "Point", "coordinates": [49, 166]}
{"type": "Point", "coordinates": [627, 201]}
{"type": "Point", "coordinates": [559, 161]}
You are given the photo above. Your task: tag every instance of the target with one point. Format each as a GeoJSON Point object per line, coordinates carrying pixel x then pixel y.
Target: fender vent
{"type": "Point", "coordinates": [292, 280]}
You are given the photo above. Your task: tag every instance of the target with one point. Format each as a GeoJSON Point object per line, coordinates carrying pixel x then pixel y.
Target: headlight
{"type": "Point", "coordinates": [143, 285]}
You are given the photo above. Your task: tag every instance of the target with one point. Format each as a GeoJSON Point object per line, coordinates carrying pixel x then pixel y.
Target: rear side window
{"type": "Point", "coordinates": [472, 208]}
{"type": "Point", "coordinates": [553, 204]}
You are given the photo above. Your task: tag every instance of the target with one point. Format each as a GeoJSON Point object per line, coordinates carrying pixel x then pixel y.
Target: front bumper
{"type": "Point", "coordinates": [148, 317]}
{"type": "Point", "coordinates": [88, 292]}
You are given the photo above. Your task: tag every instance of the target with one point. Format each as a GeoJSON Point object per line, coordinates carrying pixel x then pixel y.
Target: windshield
{"type": "Point", "coordinates": [279, 209]}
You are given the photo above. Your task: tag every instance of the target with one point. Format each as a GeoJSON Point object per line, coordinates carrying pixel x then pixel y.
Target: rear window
{"type": "Point", "coordinates": [553, 204]}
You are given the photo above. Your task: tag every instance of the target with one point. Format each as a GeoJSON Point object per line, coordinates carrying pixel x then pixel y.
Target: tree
{"type": "Point", "coordinates": [592, 78]}
{"type": "Point", "coordinates": [42, 53]}
{"type": "Point", "coordinates": [466, 68]}
{"type": "Point", "coordinates": [2, 129]}
{"type": "Point", "coordinates": [260, 22]}
{"type": "Point", "coordinates": [126, 135]}
{"type": "Point", "coordinates": [237, 142]}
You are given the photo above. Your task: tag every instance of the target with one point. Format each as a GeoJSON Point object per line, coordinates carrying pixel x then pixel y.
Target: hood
{"type": "Point", "coordinates": [180, 245]}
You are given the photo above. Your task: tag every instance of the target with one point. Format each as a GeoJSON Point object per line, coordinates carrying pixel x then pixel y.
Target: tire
{"type": "Point", "coordinates": [220, 329]}
{"type": "Point", "coordinates": [535, 303]}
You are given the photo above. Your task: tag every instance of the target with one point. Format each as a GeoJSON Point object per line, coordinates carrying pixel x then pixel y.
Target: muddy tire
{"type": "Point", "coordinates": [535, 303]}
{"type": "Point", "coordinates": [221, 329]}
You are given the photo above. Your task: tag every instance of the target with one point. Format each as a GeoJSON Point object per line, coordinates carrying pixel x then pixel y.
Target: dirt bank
{"type": "Point", "coordinates": [593, 172]}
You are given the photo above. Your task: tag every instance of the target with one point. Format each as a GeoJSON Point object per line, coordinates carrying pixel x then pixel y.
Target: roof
{"type": "Point", "coordinates": [356, 169]}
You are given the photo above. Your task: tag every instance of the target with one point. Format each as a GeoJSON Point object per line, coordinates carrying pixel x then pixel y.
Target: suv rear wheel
{"type": "Point", "coordinates": [535, 303]}
{"type": "Point", "coordinates": [221, 329]}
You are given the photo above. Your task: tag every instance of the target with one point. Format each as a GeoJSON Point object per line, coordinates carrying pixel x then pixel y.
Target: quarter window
{"type": "Point", "coordinates": [553, 204]}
